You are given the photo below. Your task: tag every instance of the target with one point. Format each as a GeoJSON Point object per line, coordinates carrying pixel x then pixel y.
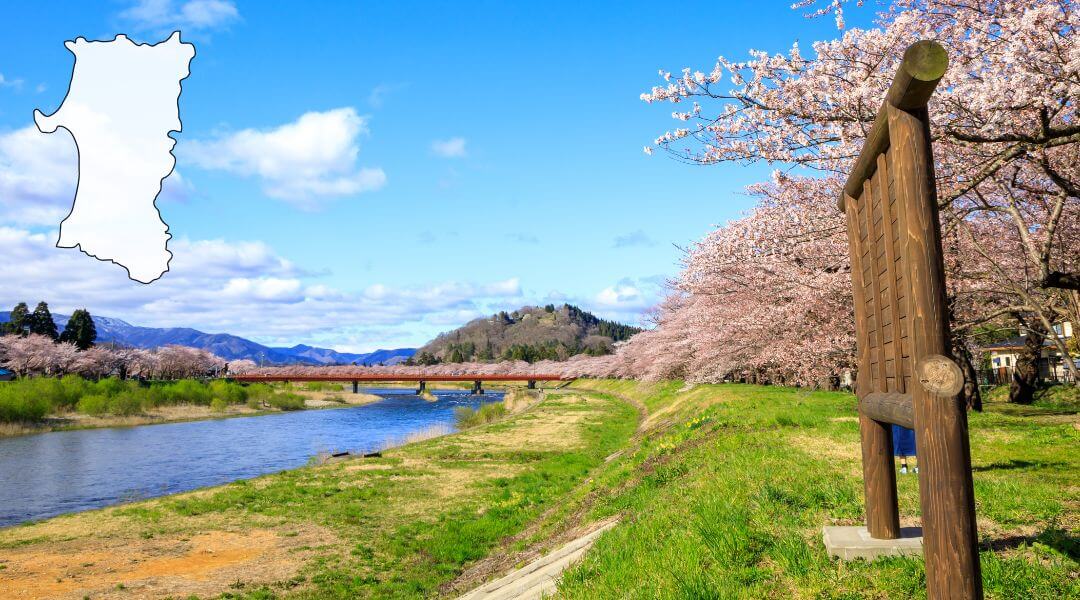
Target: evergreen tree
{"type": "Point", "coordinates": [455, 356]}
{"type": "Point", "coordinates": [41, 322]}
{"type": "Point", "coordinates": [80, 330]}
{"type": "Point", "coordinates": [19, 322]}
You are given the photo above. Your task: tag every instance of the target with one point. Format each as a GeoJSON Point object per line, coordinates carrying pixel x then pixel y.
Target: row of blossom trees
{"type": "Point", "coordinates": [769, 294]}
{"type": "Point", "coordinates": [36, 355]}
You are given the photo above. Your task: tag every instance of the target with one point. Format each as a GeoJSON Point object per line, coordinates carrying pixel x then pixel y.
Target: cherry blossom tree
{"type": "Point", "coordinates": [1004, 126]}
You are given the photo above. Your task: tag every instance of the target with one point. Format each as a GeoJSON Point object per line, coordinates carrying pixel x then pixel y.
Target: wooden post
{"type": "Point", "coordinates": [947, 498]}
{"type": "Point", "coordinates": [906, 375]}
{"type": "Point", "coordinates": [356, 387]}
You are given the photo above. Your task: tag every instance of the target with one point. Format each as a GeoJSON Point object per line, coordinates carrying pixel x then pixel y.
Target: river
{"type": "Point", "coordinates": [49, 474]}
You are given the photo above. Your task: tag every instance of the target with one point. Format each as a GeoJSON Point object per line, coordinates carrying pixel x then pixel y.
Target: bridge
{"type": "Point", "coordinates": [420, 378]}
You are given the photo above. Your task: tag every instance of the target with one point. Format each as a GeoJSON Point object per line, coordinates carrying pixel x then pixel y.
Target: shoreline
{"type": "Point", "coordinates": [186, 413]}
{"type": "Point", "coordinates": [180, 413]}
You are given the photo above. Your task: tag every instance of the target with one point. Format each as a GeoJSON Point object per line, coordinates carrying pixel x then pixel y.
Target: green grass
{"type": "Point", "coordinates": [32, 399]}
{"type": "Point", "coordinates": [727, 500]}
{"type": "Point", "coordinates": [722, 491]}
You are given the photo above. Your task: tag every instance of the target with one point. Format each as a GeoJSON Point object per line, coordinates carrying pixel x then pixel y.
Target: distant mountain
{"type": "Point", "coordinates": [229, 347]}
{"type": "Point", "coordinates": [531, 333]}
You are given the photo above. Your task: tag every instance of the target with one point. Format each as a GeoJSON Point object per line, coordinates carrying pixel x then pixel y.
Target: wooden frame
{"type": "Point", "coordinates": [905, 375]}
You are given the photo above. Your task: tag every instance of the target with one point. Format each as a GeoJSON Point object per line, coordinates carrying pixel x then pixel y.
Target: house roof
{"type": "Point", "coordinates": [1013, 343]}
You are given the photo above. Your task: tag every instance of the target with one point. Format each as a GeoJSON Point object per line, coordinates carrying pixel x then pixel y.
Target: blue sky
{"type": "Point", "coordinates": [481, 156]}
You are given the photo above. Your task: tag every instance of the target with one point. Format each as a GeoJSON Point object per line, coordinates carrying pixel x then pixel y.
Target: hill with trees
{"type": "Point", "coordinates": [530, 333]}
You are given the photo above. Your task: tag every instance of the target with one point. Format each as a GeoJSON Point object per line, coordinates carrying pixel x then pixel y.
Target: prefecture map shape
{"type": "Point", "coordinates": [122, 105]}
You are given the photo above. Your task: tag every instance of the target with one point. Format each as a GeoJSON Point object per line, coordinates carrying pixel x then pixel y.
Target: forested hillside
{"type": "Point", "coordinates": [531, 333]}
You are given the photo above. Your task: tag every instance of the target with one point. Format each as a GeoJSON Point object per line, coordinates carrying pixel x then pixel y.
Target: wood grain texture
{"type": "Point", "coordinates": [894, 408]}
{"type": "Point", "coordinates": [879, 479]}
{"type": "Point", "coordinates": [916, 78]}
{"type": "Point", "coordinates": [946, 494]}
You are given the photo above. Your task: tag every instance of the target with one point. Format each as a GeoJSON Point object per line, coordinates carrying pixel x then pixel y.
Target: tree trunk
{"type": "Point", "coordinates": [972, 395]}
{"type": "Point", "coordinates": [1026, 374]}
{"type": "Point", "coordinates": [1064, 281]}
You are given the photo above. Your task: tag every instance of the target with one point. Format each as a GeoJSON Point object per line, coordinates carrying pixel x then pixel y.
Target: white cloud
{"type": "Point", "coordinates": [451, 148]}
{"type": "Point", "coordinates": [626, 301]}
{"type": "Point", "coordinates": [38, 175]}
{"type": "Point", "coordinates": [380, 92]}
{"type": "Point", "coordinates": [634, 238]}
{"type": "Point", "coordinates": [17, 84]}
{"type": "Point", "coordinates": [523, 238]}
{"type": "Point", "coordinates": [243, 288]}
{"type": "Point", "coordinates": [619, 296]}
{"type": "Point", "coordinates": [312, 157]}
{"type": "Point", "coordinates": [167, 15]}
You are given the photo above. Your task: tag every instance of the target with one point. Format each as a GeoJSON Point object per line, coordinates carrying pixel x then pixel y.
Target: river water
{"type": "Point", "coordinates": [48, 474]}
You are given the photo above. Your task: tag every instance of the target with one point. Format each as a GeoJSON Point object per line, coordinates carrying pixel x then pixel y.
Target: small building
{"type": "Point", "coordinates": [7, 375]}
{"type": "Point", "coordinates": [1004, 354]}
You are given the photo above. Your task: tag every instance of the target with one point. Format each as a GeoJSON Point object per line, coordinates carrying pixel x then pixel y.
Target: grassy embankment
{"type": "Point", "coordinates": [722, 492]}
{"type": "Point", "coordinates": [33, 405]}
{"type": "Point", "coordinates": [730, 490]}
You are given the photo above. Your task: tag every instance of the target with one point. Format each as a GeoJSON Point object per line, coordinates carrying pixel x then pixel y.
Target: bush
{"type": "Point", "coordinates": [188, 391]}
{"type": "Point", "coordinates": [47, 389]}
{"type": "Point", "coordinates": [323, 386]}
{"type": "Point", "coordinates": [471, 417]}
{"type": "Point", "coordinates": [110, 386]}
{"type": "Point", "coordinates": [287, 401]}
{"type": "Point", "coordinates": [31, 399]}
{"type": "Point", "coordinates": [229, 392]}
{"type": "Point", "coordinates": [125, 404]}
{"type": "Point", "coordinates": [17, 404]}
{"type": "Point", "coordinates": [93, 404]}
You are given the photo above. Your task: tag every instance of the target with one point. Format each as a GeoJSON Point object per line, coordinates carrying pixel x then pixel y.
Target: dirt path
{"type": "Point", "coordinates": [569, 528]}
{"type": "Point", "coordinates": [539, 578]}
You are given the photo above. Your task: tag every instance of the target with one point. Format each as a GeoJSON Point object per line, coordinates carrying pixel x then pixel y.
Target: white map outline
{"type": "Point", "coordinates": [78, 151]}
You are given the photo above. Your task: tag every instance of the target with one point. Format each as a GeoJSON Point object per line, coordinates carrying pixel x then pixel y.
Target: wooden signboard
{"type": "Point", "coordinates": [905, 373]}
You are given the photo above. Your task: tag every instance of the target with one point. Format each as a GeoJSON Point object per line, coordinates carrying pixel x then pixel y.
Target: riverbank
{"type": "Point", "coordinates": [718, 487]}
{"type": "Point", "coordinates": [401, 524]}
{"type": "Point", "coordinates": [178, 413]}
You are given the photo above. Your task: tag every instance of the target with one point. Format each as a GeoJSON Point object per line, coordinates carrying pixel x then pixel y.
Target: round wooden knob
{"type": "Point", "coordinates": [939, 375]}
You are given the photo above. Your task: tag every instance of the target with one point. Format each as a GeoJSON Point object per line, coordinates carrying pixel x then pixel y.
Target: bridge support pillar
{"type": "Point", "coordinates": [478, 388]}
{"type": "Point", "coordinates": [532, 384]}
{"type": "Point", "coordinates": [355, 387]}
{"type": "Point", "coordinates": [422, 388]}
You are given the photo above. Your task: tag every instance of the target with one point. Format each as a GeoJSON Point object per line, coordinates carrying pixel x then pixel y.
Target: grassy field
{"type": "Point", "coordinates": [722, 492]}
{"type": "Point", "coordinates": [730, 490]}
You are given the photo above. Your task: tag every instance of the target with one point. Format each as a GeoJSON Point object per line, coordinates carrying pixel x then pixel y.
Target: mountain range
{"type": "Point", "coordinates": [227, 346]}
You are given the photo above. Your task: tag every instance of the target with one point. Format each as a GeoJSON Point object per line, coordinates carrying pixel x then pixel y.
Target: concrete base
{"type": "Point", "coordinates": [849, 543]}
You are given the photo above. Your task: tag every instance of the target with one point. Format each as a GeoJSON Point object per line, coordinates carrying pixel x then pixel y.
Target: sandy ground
{"type": "Point", "coordinates": [174, 565]}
